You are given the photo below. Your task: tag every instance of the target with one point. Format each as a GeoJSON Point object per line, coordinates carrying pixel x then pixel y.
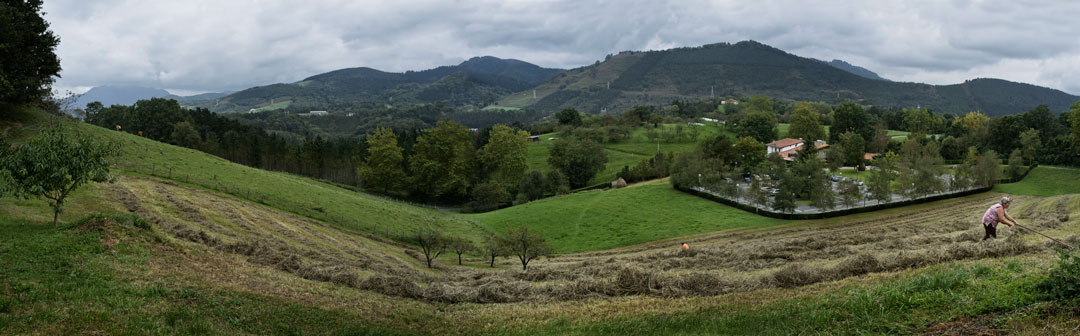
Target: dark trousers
{"type": "Point", "coordinates": [991, 231]}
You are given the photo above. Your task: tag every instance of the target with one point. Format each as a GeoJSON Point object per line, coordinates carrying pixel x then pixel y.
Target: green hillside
{"type": "Point", "coordinates": [474, 83]}
{"type": "Point", "coordinates": [623, 153]}
{"type": "Point", "coordinates": [199, 258]}
{"type": "Point", "coordinates": [1045, 181]}
{"type": "Point", "coordinates": [299, 195]}
{"type": "Point", "coordinates": [751, 68]}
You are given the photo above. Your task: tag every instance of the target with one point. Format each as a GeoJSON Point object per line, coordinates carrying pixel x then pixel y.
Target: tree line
{"type": "Point", "coordinates": [520, 242]}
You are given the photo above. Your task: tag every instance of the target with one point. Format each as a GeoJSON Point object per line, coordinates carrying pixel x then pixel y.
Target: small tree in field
{"type": "Point", "coordinates": [431, 241]}
{"type": "Point", "coordinates": [493, 247]}
{"type": "Point", "coordinates": [526, 245]}
{"type": "Point", "coordinates": [461, 246]}
{"type": "Point", "coordinates": [54, 164]}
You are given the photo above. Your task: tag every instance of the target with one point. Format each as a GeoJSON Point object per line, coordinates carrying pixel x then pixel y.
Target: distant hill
{"type": "Point", "coordinates": [747, 68]}
{"type": "Point", "coordinates": [126, 95]}
{"type": "Point", "coordinates": [119, 95]}
{"type": "Point", "coordinates": [476, 82]}
{"type": "Point", "coordinates": [858, 70]}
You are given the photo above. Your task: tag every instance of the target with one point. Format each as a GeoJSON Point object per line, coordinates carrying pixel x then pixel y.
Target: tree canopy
{"type": "Point", "coordinates": [28, 62]}
{"type": "Point", "coordinates": [54, 164]}
{"type": "Point", "coordinates": [578, 159]}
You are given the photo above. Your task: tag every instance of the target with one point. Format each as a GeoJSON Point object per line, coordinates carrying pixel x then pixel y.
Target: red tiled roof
{"type": "Point", "coordinates": [784, 142]}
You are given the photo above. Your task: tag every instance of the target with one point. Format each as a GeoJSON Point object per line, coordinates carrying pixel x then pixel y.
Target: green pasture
{"type": "Point", "coordinates": [604, 219]}
{"type": "Point", "coordinates": [1045, 181]}
{"type": "Point", "coordinates": [300, 195]}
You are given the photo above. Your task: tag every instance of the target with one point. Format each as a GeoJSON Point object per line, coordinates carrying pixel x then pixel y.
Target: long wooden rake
{"type": "Point", "coordinates": [1070, 247]}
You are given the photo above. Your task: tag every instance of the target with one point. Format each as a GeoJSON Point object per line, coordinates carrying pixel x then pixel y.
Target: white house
{"type": "Point", "coordinates": [318, 113]}
{"type": "Point", "coordinates": [787, 147]}
{"type": "Point", "coordinates": [782, 145]}
{"type": "Point", "coordinates": [710, 120]}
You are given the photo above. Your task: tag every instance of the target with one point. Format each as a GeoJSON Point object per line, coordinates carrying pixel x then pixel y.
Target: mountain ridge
{"type": "Point", "coordinates": [746, 68]}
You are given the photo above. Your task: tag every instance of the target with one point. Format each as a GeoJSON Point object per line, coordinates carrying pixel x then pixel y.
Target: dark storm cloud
{"type": "Point", "coordinates": [221, 45]}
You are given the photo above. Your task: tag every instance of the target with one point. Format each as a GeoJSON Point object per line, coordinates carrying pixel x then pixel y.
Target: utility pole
{"type": "Point", "coordinates": [609, 85]}
{"type": "Point", "coordinates": [712, 92]}
{"type": "Point", "coordinates": [534, 93]}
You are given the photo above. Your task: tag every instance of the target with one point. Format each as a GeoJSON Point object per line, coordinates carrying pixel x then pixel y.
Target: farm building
{"type": "Point", "coordinates": [788, 148]}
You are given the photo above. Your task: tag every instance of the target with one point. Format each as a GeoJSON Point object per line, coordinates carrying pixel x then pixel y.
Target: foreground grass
{"type": "Point", "coordinates": [598, 220]}
{"type": "Point", "coordinates": [985, 295]}
{"type": "Point", "coordinates": [63, 281]}
{"type": "Point", "coordinates": [1045, 181]}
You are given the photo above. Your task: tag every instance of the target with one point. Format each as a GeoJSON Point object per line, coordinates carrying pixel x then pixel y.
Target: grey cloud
{"type": "Point", "coordinates": [220, 45]}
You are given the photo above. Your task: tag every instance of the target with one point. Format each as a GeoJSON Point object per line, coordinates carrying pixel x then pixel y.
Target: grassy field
{"type": "Point", "coordinates": [210, 259]}
{"type": "Point", "coordinates": [599, 220]}
{"type": "Point", "coordinates": [274, 106]}
{"type": "Point", "coordinates": [623, 153]}
{"type": "Point", "coordinates": [1045, 181]}
{"type": "Point", "coordinates": [292, 193]}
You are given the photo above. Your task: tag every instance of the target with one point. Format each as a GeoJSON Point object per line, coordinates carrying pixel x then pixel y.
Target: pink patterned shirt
{"type": "Point", "coordinates": [991, 216]}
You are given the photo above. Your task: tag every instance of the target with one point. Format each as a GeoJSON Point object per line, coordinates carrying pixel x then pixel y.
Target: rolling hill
{"type": "Point", "coordinates": [748, 68]}
{"type": "Point", "coordinates": [478, 81]}
{"type": "Point", "coordinates": [165, 250]}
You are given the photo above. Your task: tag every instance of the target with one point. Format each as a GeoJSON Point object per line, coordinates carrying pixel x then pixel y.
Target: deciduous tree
{"type": "Point", "coordinates": [526, 245]}
{"type": "Point", "coordinates": [1031, 142]}
{"type": "Point", "coordinates": [758, 125]}
{"type": "Point", "coordinates": [505, 155]}
{"type": "Point", "coordinates": [461, 246]}
{"type": "Point", "coordinates": [850, 117]}
{"type": "Point", "coordinates": [988, 169]}
{"type": "Point", "coordinates": [805, 124]}
{"type": "Point", "coordinates": [443, 160]}
{"type": "Point", "coordinates": [382, 170]}
{"type": "Point", "coordinates": [578, 159]}
{"type": "Point", "coordinates": [882, 176]}
{"type": "Point", "coordinates": [749, 154]}
{"type": "Point", "coordinates": [431, 242]}
{"type": "Point", "coordinates": [55, 163]}
{"type": "Point", "coordinates": [569, 117]}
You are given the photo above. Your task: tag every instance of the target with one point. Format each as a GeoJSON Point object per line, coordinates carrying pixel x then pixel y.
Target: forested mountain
{"type": "Point", "coordinates": [477, 82]}
{"type": "Point", "coordinates": [749, 68]}
{"type": "Point", "coordinates": [858, 70]}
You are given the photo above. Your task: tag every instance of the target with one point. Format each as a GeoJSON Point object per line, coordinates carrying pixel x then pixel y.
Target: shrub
{"type": "Point", "coordinates": [1064, 280]}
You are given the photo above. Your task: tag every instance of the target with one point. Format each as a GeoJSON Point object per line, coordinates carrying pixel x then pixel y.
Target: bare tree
{"type": "Point", "coordinates": [493, 247]}
{"type": "Point", "coordinates": [461, 246]}
{"type": "Point", "coordinates": [431, 241]}
{"type": "Point", "coordinates": [526, 245]}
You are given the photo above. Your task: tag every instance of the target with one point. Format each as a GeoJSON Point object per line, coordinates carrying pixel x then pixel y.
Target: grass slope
{"type": "Point", "coordinates": [622, 153]}
{"type": "Point", "coordinates": [598, 220]}
{"type": "Point", "coordinates": [292, 193]}
{"type": "Point", "coordinates": [1045, 181]}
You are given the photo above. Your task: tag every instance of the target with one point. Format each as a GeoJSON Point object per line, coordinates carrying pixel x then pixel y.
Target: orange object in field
{"type": "Point", "coordinates": [685, 246]}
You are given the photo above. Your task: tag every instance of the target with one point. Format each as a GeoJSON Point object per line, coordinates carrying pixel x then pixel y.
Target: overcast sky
{"type": "Point", "coordinates": [193, 46]}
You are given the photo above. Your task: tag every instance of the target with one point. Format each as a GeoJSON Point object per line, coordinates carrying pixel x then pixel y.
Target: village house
{"type": "Point", "coordinates": [788, 148]}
